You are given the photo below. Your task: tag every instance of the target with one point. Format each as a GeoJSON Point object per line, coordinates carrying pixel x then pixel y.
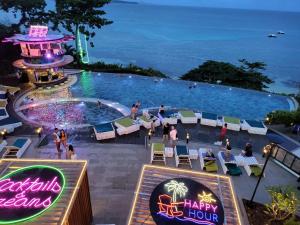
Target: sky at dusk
{"type": "Point", "coordinates": [280, 5]}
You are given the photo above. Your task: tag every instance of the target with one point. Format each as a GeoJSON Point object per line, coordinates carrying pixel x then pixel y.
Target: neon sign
{"type": "Point", "coordinates": [38, 31]}
{"type": "Point", "coordinates": [28, 192]}
{"type": "Point", "coordinates": [184, 201]}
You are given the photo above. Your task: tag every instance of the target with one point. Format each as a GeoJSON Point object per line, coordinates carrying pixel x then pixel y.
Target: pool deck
{"type": "Point", "coordinates": [114, 170]}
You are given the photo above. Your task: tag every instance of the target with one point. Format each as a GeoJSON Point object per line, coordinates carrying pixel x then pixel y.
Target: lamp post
{"type": "Point", "coordinates": [268, 149]}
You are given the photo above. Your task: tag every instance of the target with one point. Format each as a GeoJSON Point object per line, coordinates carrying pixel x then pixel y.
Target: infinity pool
{"type": "Point", "coordinates": [127, 89]}
{"type": "Point", "coordinates": [152, 92]}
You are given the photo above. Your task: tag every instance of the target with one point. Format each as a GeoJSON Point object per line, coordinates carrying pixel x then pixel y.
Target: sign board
{"type": "Point", "coordinates": [182, 201]}
{"type": "Point", "coordinates": [28, 192]}
{"type": "Point", "coordinates": [38, 31]}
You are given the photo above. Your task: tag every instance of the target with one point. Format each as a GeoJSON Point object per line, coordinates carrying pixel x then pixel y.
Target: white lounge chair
{"type": "Point", "coordinates": [3, 97]}
{"type": "Point", "coordinates": [187, 117]}
{"type": "Point", "coordinates": [232, 123]}
{"type": "Point", "coordinates": [169, 117]}
{"type": "Point", "coordinates": [10, 89]}
{"type": "Point", "coordinates": [250, 164]}
{"type": "Point", "coordinates": [209, 119]}
{"type": "Point", "coordinates": [2, 145]}
{"type": "Point", "coordinates": [146, 122]}
{"type": "Point", "coordinates": [3, 113]}
{"type": "Point", "coordinates": [182, 156]}
{"type": "Point", "coordinates": [104, 131]}
{"type": "Point", "coordinates": [126, 126]}
{"type": "Point", "coordinates": [3, 104]}
{"type": "Point", "coordinates": [9, 124]}
{"type": "Point", "coordinates": [212, 167]}
{"type": "Point", "coordinates": [254, 127]}
{"type": "Point", "coordinates": [230, 165]}
{"type": "Point", "coordinates": [158, 152]}
{"type": "Point", "coordinates": [17, 149]}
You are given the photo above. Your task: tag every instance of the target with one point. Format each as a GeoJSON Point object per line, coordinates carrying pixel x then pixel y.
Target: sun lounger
{"type": "Point", "coordinates": [158, 153]}
{"type": "Point", "coordinates": [2, 145]}
{"type": "Point", "coordinates": [104, 131]}
{"type": "Point", "coordinates": [254, 127]}
{"type": "Point", "coordinates": [146, 122]}
{"type": "Point", "coordinates": [12, 90]}
{"type": "Point", "coordinates": [232, 123]}
{"type": "Point", "coordinates": [3, 104]}
{"type": "Point", "coordinates": [250, 164]}
{"type": "Point", "coordinates": [229, 165]}
{"type": "Point", "coordinates": [207, 163]}
{"type": "Point", "coordinates": [17, 149]}
{"type": "Point", "coordinates": [3, 97]}
{"type": "Point", "coordinates": [169, 116]}
{"type": "Point", "coordinates": [126, 126]}
{"type": "Point", "coordinates": [9, 124]}
{"type": "Point", "coordinates": [182, 156]}
{"type": "Point", "coordinates": [188, 117]}
{"type": "Point", "coordinates": [3, 113]}
{"type": "Point", "coordinates": [208, 119]}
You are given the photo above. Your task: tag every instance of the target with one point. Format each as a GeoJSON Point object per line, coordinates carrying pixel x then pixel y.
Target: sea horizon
{"type": "Point", "coordinates": [175, 45]}
{"type": "Point", "coordinates": [198, 35]}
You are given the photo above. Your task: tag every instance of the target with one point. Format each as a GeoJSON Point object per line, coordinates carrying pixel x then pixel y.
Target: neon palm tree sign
{"type": "Point", "coordinates": [183, 201]}
{"type": "Point", "coordinates": [28, 192]}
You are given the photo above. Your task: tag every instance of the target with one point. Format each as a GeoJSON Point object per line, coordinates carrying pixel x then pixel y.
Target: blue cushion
{"type": "Point", "coordinates": [20, 142]}
{"type": "Point", "coordinates": [2, 96]}
{"type": "Point", "coordinates": [255, 123]}
{"type": "Point", "coordinates": [104, 127]}
{"type": "Point", "coordinates": [169, 113]}
{"type": "Point", "coordinates": [210, 116]}
{"type": "Point", "coordinates": [231, 157]}
{"type": "Point", "coordinates": [8, 121]}
{"type": "Point", "coordinates": [182, 150]}
{"type": "Point", "coordinates": [3, 112]}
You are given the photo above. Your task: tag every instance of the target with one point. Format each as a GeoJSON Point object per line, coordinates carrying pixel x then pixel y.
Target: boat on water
{"type": "Point", "coordinates": [280, 32]}
{"type": "Point", "coordinates": [272, 35]}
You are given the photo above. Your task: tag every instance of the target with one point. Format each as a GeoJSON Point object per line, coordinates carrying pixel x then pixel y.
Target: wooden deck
{"type": "Point", "coordinates": [76, 179]}
{"type": "Point", "coordinates": [151, 176]}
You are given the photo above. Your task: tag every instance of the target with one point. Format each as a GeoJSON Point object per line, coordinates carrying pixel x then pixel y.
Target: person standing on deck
{"type": "Point", "coordinates": [173, 136]}
{"type": "Point", "coordinates": [56, 140]}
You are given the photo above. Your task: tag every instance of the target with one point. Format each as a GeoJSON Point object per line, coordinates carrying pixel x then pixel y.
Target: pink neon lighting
{"type": "Point", "coordinates": [38, 31]}
{"type": "Point", "coordinates": [48, 55]}
{"type": "Point", "coordinates": [23, 191]}
{"type": "Point", "coordinates": [200, 205]}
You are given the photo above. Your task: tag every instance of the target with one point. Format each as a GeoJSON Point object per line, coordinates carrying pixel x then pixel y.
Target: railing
{"type": "Point", "coordinates": [287, 159]}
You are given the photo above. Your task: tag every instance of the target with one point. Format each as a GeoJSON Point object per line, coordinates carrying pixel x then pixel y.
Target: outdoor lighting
{"type": "Point", "coordinates": [39, 131]}
{"type": "Point", "coordinates": [3, 133]}
{"type": "Point", "coordinates": [187, 137]}
{"type": "Point", "coordinates": [268, 149]}
{"type": "Point", "coordinates": [149, 134]}
{"type": "Point", "coordinates": [48, 55]}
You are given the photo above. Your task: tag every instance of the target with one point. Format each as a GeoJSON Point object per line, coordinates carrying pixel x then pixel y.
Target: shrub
{"type": "Point", "coordinates": [284, 117]}
{"type": "Point", "coordinates": [291, 221]}
{"type": "Point", "coordinates": [284, 202]}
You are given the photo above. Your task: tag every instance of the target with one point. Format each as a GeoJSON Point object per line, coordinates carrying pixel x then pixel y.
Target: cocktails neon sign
{"type": "Point", "coordinates": [28, 192]}
{"type": "Point", "coordinates": [185, 201]}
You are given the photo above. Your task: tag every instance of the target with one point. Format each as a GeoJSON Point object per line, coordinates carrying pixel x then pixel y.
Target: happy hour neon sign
{"type": "Point", "coordinates": [183, 201]}
{"type": "Point", "coordinates": [28, 192]}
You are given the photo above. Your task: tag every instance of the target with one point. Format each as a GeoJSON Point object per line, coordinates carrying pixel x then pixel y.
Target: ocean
{"type": "Point", "coordinates": [175, 39]}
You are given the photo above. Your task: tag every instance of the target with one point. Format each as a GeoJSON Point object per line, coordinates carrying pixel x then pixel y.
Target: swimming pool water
{"type": "Point", "coordinates": [152, 92]}
{"type": "Point", "coordinates": [71, 113]}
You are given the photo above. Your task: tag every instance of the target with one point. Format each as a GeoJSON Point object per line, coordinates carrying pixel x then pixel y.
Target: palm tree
{"type": "Point", "coordinates": [177, 189]}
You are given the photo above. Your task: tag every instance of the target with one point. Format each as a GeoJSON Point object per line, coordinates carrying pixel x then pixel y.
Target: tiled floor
{"type": "Point", "coordinates": [114, 169]}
